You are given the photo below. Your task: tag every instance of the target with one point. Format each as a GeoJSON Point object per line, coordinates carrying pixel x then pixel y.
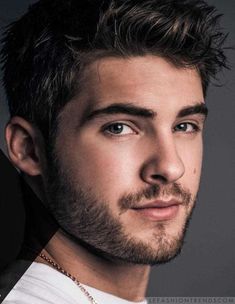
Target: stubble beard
{"type": "Point", "coordinates": [89, 222]}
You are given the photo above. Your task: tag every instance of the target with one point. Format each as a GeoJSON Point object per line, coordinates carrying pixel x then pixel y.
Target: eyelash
{"type": "Point", "coordinates": [106, 127]}
{"type": "Point", "coordinates": [195, 127]}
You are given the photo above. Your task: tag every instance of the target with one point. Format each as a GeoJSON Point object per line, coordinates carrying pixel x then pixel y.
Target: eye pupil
{"type": "Point", "coordinates": [183, 127]}
{"type": "Point", "coordinates": [116, 128]}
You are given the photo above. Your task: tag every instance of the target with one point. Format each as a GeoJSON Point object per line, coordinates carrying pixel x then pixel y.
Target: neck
{"type": "Point", "coordinates": [129, 282]}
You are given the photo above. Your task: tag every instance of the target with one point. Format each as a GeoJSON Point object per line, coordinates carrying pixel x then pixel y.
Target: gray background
{"type": "Point", "coordinates": [206, 266]}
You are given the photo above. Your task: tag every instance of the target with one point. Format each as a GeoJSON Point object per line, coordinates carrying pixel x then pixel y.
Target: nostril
{"type": "Point", "coordinates": [159, 177]}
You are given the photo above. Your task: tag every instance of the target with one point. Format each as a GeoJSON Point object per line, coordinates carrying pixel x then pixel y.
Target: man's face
{"type": "Point", "coordinates": [127, 158]}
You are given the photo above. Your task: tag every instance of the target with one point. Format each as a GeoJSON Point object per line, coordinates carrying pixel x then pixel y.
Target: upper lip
{"type": "Point", "coordinates": [159, 204]}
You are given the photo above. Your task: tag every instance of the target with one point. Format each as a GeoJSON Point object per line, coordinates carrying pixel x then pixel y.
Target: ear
{"type": "Point", "coordinates": [25, 146]}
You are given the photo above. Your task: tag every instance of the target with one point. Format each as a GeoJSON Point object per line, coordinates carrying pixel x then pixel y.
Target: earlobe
{"type": "Point", "coordinates": [23, 146]}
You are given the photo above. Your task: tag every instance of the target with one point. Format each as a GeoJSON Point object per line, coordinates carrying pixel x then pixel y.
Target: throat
{"type": "Point", "coordinates": [129, 282]}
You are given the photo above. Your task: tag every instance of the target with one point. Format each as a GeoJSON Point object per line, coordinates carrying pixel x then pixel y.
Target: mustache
{"type": "Point", "coordinates": [132, 200]}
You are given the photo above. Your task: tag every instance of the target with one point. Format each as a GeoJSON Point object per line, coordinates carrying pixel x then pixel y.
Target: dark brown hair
{"type": "Point", "coordinates": [45, 50]}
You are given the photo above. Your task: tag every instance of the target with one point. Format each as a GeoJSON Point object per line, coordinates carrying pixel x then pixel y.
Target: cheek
{"type": "Point", "coordinates": [108, 169]}
{"type": "Point", "coordinates": [191, 156]}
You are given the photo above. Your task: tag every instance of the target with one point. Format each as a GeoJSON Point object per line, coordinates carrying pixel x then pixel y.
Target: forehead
{"type": "Point", "coordinates": [139, 75]}
{"type": "Point", "coordinates": [147, 81]}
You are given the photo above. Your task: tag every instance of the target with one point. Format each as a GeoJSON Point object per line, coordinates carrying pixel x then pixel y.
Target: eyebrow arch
{"type": "Point", "coordinates": [199, 108]}
{"type": "Point", "coordinates": [121, 108]}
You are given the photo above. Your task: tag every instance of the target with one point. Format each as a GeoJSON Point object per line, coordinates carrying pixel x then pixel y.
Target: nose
{"type": "Point", "coordinates": [164, 165]}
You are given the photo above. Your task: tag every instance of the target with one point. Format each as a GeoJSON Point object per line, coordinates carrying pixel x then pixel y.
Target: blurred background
{"type": "Point", "coordinates": [206, 266]}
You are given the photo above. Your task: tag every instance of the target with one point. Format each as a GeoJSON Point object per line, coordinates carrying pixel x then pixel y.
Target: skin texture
{"type": "Point", "coordinates": [105, 166]}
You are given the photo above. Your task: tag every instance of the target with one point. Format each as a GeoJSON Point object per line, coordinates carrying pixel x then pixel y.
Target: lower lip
{"type": "Point", "coordinates": [159, 214]}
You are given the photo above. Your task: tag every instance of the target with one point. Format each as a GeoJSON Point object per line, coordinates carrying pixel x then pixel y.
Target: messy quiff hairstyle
{"type": "Point", "coordinates": [46, 50]}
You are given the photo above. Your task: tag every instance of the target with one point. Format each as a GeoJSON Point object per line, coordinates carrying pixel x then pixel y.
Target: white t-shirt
{"type": "Point", "coordinates": [42, 284]}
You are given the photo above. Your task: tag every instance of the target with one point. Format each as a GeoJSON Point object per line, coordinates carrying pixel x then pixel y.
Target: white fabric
{"type": "Point", "coordinates": [42, 284]}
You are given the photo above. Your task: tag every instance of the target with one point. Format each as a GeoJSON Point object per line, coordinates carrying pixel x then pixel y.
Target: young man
{"type": "Point", "coordinates": [107, 103]}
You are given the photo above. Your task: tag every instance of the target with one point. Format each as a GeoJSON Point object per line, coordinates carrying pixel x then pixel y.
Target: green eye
{"type": "Point", "coordinates": [118, 129]}
{"type": "Point", "coordinates": [186, 127]}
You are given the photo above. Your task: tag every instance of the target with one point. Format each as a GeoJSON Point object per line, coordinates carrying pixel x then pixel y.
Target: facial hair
{"type": "Point", "coordinates": [88, 220]}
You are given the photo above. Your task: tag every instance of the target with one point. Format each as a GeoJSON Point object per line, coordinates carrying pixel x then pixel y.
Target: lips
{"type": "Point", "coordinates": [159, 210]}
{"type": "Point", "coordinates": [159, 204]}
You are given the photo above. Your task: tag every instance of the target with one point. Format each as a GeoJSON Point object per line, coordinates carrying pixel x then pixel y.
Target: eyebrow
{"type": "Point", "coordinates": [199, 108]}
{"type": "Point", "coordinates": [121, 108]}
{"type": "Point", "coordinates": [130, 109]}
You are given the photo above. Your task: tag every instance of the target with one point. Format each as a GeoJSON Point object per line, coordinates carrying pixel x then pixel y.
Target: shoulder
{"type": "Point", "coordinates": [43, 285]}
